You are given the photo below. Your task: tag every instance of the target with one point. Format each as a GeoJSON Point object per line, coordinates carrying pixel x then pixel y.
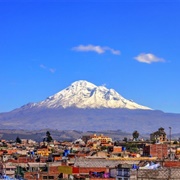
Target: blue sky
{"type": "Point", "coordinates": [131, 46]}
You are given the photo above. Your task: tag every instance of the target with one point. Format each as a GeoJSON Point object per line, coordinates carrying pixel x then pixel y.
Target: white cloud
{"type": "Point", "coordinates": [52, 70]}
{"type": "Point", "coordinates": [43, 66]}
{"type": "Point", "coordinates": [97, 49]}
{"type": "Point", "coordinates": [148, 58]}
{"type": "Point", "coordinates": [116, 52]}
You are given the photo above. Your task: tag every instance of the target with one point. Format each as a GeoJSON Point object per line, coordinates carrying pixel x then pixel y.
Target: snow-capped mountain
{"type": "Point", "coordinates": [83, 94]}
{"type": "Point", "coordinates": [96, 108]}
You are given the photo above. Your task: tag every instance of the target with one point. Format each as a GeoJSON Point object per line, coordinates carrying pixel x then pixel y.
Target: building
{"type": "Point", "coordinates": [7, 169]}
{"type": "Point", "coordinates": [103, 139]}
{"type": "Point", "coordinates": [123, 172]}
{"type": "Point", "coordinates": [43, 152]}
{"type": "Point", "coordinates": [159, 136]}
{"type": "Point", "coordinates": [156, 150]}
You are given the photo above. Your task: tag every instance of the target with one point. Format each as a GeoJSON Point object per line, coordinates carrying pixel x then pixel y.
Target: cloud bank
{"type": "Point", "coordinates": [148, 58]}
{"type": "Point", "coordinates": [97, 49]}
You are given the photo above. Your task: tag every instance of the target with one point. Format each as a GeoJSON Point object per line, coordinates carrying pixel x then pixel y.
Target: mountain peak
{"type": "Point", "coordinates": [83, 94]}
{"type": "Point", "coordinates": [82, 83]}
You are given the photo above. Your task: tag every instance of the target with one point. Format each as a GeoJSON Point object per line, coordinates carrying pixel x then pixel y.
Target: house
{"type": "Point", "coordinates": [8, 169]}
{"type": "Point", "coordinates": [123, 171]}
{"type": "Point", "coordinates": [156, 150]}
{"type": "Point", "coordinates": [43, 152]}
{"type": "Point", "coordinates": [159, 136]}
{"type": "Point", "coordinates": [103, 139]}
{"type": "Point", "coordinates": [101, 168]}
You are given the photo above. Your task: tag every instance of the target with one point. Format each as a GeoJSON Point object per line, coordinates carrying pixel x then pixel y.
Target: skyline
{"type": "Point", "coordinates": [131, 47]}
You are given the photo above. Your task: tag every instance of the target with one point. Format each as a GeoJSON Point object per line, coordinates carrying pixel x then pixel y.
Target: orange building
{"type": "Point", "coordinates": [117, 149]}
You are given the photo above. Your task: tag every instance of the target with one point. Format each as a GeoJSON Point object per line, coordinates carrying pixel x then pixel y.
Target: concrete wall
{"type": "Point", "coordinates": [159, 174]}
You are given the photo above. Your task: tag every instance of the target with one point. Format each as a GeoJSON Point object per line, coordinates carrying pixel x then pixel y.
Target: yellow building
{"type": "Point", "coordinates": [103, 139]}
{"type": "Point", "coordinates": [43, 152]}
{"type": "Point", "coordinates": [178, 151]}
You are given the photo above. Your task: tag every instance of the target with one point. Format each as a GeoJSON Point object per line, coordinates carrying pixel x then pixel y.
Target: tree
{"type": "Point", "coordinates": [125, 139]}
{"type": "Point", "coordinates": [48, 137]}
{"type": "Point", "coordinates": [18, 140]}
{"type": "Point", "coordinates": [135, 135]}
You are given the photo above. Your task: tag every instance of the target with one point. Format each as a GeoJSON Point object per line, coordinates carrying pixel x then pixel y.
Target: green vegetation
{"type": "Point", "coordinates": [18, 140]}
{"type": "Point", "coordinates": [132, 147]}
{"type": "Point", "coordinates": [48, 137]}
{"type": "Point", "coordinates": [135, 135]}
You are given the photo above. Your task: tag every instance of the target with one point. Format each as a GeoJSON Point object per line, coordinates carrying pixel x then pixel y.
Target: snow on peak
{"type": "Point", "coordinates": [83, 94]}
{"type": "Point", "coordinates": [82, 83]}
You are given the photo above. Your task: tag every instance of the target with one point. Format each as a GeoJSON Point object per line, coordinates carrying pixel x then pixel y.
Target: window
{"type": "Point", "coordinates": [123, 172]}
{"type": "Point", "coordinates": [120, 173]}
{"type": "Point", "coordinates": [126, 172]}
{"type": "Point", "coordinates": [51, 177]}
{"type": "Point", "coordinates": [48, 177]}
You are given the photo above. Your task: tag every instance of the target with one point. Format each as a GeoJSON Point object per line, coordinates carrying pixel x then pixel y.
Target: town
{"type": "Point", "coordinates": [92, 157]}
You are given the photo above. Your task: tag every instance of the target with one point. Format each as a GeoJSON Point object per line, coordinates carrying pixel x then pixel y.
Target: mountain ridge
{"type": "Point", "coordinates": [145, 121]}
{"type": "Point", "coordinates": [83, 94]}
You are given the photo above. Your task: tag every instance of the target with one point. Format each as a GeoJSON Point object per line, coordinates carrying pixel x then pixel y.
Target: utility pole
{"type": "Point", "coordinates": [170, 141]}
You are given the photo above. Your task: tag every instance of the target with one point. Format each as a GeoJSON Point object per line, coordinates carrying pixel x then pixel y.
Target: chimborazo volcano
{"type": "Point", "coordinates": [84, 106]}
